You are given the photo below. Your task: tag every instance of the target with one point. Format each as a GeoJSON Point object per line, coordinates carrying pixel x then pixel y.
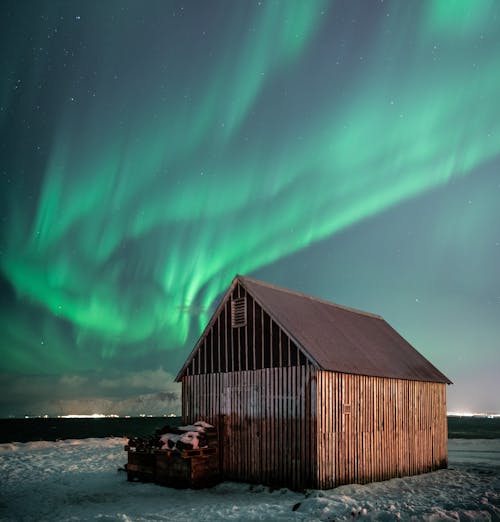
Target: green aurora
{"type": "Point", "coordinates": [151, 151]}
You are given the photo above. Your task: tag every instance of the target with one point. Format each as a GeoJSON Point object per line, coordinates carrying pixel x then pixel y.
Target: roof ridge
{"type": "Point", "coordinates": [307, 296]}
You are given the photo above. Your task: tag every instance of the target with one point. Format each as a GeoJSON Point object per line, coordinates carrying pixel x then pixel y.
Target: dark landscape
{"type": "Point", "coordinates": [51, 429]}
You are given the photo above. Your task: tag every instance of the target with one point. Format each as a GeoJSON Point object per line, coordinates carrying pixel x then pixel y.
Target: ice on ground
{"type": "Point", "coordinates": [78, 480]}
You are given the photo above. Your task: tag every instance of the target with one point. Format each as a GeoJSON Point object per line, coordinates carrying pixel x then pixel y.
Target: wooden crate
{"type": "Point", "coordinates": [181, 471]}
{"type": "Point", "coordinates": [141, 466]}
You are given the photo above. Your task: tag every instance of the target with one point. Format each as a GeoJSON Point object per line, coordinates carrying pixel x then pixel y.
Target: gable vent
{"type": "Point", "coordinates": [238, 312]}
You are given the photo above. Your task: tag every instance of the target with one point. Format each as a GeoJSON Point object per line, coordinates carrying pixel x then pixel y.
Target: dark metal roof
{"type": "Point", "coordinates": [342, 339]}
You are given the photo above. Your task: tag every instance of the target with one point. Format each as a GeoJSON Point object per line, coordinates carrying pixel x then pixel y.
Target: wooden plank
{"type": "Point", "coordinates": [288, 456]}
{"type": "Point", "coordinates": [326, 428]}
{"type": "Point", "coordinates": [265, 427]}
{"type": "Point", "coordinates": [254, 350]}
{"type": "Point", "coordinates": [262, 337]}
{"type": "Point", "coordinates": [321, 424]}
{"type": "Point", "coordinates": [313, 426]}
{"type": "Point", "coordinates": [293, 424]}
{"type": "Point", "coordinates": [260, 414]}
{"type": "Point", "coordinates": [251, 431]}
{"type": "Point", "coordinates": [333, 436]}
{"type": "Point", "coordinates": [308, 448]}
{"type": "Point", "coordinates": [274, 424]}
{"type": "Point", "coordinates": [278, 436]}
{"type": "Point", "coordinates": [283, 464]}
{"type": "Point", "coordinates": [296, 428]}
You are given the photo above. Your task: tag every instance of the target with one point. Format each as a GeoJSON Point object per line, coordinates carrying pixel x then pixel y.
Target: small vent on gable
{"type": "Point", "coordinates": [238, 312]}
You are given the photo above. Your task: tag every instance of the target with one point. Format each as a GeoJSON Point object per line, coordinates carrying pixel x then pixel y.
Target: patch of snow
{"type": "Point", "coordinates": [203, 424]}
{"type": "Point", "coordinates": [78, 480]}
{"type": "Point", "coordinates": [192, 427]}
{"type": "Point", "coordinates": [191, 437]}
{"type": "Point", "coordinates": [169, 440]}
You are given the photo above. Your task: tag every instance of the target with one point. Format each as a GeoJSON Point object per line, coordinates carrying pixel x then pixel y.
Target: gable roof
{"type": "Point", "coordinates": [338, 338]}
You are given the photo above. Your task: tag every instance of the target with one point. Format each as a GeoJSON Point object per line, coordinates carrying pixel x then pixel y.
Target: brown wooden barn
{"type": "Point", "coordinates": [309, 394]}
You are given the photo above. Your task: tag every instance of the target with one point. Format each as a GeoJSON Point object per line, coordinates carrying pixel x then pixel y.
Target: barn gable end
{"type": "Point", "coordinates": [259, 342]}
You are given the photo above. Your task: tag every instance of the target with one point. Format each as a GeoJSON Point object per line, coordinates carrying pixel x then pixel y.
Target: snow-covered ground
{"type": "Point", "coordinates": [78, 480]}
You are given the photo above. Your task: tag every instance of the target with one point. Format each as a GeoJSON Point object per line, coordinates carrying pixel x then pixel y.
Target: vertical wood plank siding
{"type": "Point", "coordinates": [265, 435]}
{"type": "Point", "coordinates": [283, 422]}
{"type": "Point", "coordinates": [371, 428]}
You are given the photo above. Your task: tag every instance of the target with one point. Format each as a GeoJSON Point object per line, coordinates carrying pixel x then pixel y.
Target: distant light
{"type": "Point", "coordinates": [460, 414]}
{"type": "Point", "coordinates": [472, 414]}
{"type": "Point", "coordinates": [93, 416]}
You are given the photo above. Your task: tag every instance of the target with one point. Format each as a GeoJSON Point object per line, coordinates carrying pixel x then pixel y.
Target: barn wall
{"type": "Point", "coordinates": [266, 420]}
{"type": "Point", "coordinates": [372, 429]}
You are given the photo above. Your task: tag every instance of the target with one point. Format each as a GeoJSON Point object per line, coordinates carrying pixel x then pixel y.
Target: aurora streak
{"type": "Point", "coordinates": [153, 150]}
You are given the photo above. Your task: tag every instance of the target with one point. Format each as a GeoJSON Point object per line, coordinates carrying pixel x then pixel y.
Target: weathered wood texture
{"type": "Point", "coordinates": [194, 472]}
{"type": "Point", "coordinates": [301, 428]}
{"type": "Point", "coordinates": [141, 466]}
{"type": "Point", "coordinates": [372, 429]}
{"type": "Point", "coordinates": [266, 419]}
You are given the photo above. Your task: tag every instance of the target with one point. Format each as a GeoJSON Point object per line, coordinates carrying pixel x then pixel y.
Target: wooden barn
{"type": "Point", "coordinates": [309, 394]}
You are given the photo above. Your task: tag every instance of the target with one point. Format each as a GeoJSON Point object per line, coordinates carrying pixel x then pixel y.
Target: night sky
{"type": "Point", "coordinates": [149, 151]}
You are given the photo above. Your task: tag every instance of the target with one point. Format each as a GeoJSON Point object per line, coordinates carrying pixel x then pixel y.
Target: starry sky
{"type": "Point", "coordinates": [149, 151]}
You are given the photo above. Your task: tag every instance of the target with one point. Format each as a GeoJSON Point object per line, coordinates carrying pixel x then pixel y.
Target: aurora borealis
{"type": "Point", "coordinates": [152, 150]}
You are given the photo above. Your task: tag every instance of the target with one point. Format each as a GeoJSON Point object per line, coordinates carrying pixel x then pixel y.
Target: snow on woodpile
{"type": "Point", "coordinates": [78, 480]}
{"type": "Point", "coordinates": [193, 436]}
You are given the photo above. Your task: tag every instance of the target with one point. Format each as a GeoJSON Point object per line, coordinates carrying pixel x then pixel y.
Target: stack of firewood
{"type": "Point", "coordinates": [191, 437]}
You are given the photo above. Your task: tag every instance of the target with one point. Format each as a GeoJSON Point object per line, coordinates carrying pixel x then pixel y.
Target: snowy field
{"type": "Point", "coordinates": [78, 480]}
